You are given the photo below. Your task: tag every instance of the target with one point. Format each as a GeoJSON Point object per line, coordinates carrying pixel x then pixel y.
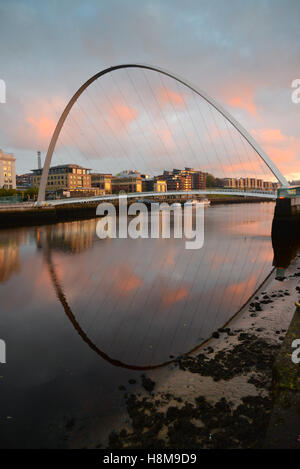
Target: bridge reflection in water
{"type": "Point", "coordinates": [139, 303]}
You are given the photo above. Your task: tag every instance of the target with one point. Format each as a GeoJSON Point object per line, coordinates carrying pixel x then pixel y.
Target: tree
{"type": "Point", "coordinates": [31, 193]}
{"type": "Point", "coordinates": [210, 180]}
{"type": "Point", "coordinates": [7, 192]}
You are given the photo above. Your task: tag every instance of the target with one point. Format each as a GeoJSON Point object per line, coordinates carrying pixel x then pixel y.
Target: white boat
{"type": "Point", "coordinates": [191, 202]}
{"type": "Point", "coordinates": [205, 202]}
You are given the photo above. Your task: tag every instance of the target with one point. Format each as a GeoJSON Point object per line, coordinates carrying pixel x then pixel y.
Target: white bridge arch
{"type": "Point", "coordinates": [205, 96]}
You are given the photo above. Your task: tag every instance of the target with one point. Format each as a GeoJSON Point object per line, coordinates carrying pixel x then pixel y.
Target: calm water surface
{"type": "Point", "coordinates": [80, 316]}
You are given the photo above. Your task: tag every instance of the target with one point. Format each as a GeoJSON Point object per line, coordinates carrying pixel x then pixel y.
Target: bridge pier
{"type": "Point", "coordinates": [286, 228]}
{"type": "Point", "coordinates": [288, 203]}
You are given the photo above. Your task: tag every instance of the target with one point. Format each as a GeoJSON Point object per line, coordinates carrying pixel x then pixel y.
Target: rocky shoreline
{"type": "Point", "coordinates": [220, 396]}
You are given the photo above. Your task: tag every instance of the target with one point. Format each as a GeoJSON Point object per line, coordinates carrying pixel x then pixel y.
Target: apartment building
{"type": "Point", "coordinates": [67, 177]}
{"type": "Point", "coordinates": [184, 179]}
{"type": "Point", "coordinates": [154, 185]}
{"type": "Point", "coordinates": [248, 183]}
{"type": "Point", "coordinates": [7, 171]}
{"type": "Point", "coordinates": [126, 184]}
{"type": "Point", "coordinates": [103, 181]}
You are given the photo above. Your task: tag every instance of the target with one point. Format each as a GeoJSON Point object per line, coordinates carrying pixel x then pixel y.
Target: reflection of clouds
{"type": "Point", "coordinates": [251, 227]}
{"type": "Point", "coordinates": [243, 288]}
{"type": "Point", "coordinates": [217, 260]}
{"type": "Point", "coordinates": [124, 280]}
{"type": "Point", "coordinates": [31, 285]}
{"type": "Point", "coordinates": [253, 221]}
{"type": "Point", "coordinates": [170, 296]}
{"type": "Point", "coordinates": [127, 294]}
{"type": "Point", "coordinates": [9, 252]}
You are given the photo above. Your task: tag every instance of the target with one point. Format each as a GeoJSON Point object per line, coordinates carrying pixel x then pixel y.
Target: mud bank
{"type": "Point", "coordinates": [221, 395]}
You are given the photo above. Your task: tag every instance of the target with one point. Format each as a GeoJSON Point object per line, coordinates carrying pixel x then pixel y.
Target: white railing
{"type": "Point", "coordinates": [102, 198]}
{"type": "Point", "coordinates": [20, 205]}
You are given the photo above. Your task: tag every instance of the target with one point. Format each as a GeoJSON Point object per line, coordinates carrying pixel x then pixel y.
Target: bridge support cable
{"type": "Point", "coordinates": [124, 151]}
{"type": "Point", "coordinates": [164, 120]}
{"type": "Point", "coordinates": [79, 134]}
{"type": "Point", "coordinates": [197, 162]}
{"type": "Point", "coordinates": [150, 119]}
{"type": "Point", "coordinates": [132, 142]}
{"type": "Point", "coordinates": [237, 151]}
{"type": "Point", "coordinates": [199, 137]}
{"type": "Point", "coordinates": [220, 160]}
{"type": "Point", "coordinates": [99, 136]}
{"type": "Point", "coordinates": [175, 113]}
{"type": "Point", "coordinates": [222, 140]}
{"type": "Point", "coordinates": [149, 168]}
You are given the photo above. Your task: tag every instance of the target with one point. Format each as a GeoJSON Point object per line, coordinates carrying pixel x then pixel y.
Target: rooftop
{"type": "Point", "coordinates": [62, 166]}
{"type": "Point", "coordinates": [6, 156]}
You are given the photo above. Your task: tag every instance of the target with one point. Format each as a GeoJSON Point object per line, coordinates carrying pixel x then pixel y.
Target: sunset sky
{"type": "Point", "coordinates": [243, 53]}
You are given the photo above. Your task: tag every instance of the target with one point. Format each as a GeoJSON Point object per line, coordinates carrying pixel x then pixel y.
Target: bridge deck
{"type": "Point", "coordinates": [103, 198]}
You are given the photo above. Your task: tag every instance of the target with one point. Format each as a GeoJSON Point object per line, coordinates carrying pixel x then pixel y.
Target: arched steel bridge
{"type": "Point", "coordinates": [261, 153]}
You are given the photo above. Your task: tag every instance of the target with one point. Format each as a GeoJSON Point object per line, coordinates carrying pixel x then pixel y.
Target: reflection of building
{"type": "Point", "coordinates": [102, 181]}
{"type": "Point", "coordinates": [7, 171]}
{"type": "Point", "coordinates": [9, 255]}
{"type": "Point", "coordinates": [75, 236]}
{"type": "Point", "coordinates": [9, 261]}
{"type": "Point", "coordinates": [67, 176]}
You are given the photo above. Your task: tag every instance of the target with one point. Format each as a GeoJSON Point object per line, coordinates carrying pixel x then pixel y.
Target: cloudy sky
{"type": "Point", "coordinates": [243, 53]}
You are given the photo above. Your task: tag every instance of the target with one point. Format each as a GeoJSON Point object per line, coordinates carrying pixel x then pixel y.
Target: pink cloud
{"type": "Point", "coordinates": [283, 149]}
{"type": "Point", "coordinates": [43, 126]}
{"type": "Point", "coordinates": [120, 116]}
{"type": "Point", "coordinates": [242, 97]}
{"type": "Point", "coordinates": [167, 96]}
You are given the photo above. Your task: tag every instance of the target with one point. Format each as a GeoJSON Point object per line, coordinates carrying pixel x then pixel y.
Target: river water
{"type": "Point", "coordinates": [80, 316]}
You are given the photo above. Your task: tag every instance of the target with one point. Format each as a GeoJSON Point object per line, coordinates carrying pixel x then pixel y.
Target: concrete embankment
{"type": "Point", "coordinates": [29, 216]}
{"type": "Point", "coordinates": [224, 199]}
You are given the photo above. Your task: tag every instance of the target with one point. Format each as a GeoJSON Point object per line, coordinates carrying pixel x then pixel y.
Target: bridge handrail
{"type": "Point", "coordinates": [252, 193]}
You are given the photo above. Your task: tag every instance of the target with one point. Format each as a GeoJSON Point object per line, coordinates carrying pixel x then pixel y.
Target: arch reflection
{"type": "Point", "coordinates": [145, 300]}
